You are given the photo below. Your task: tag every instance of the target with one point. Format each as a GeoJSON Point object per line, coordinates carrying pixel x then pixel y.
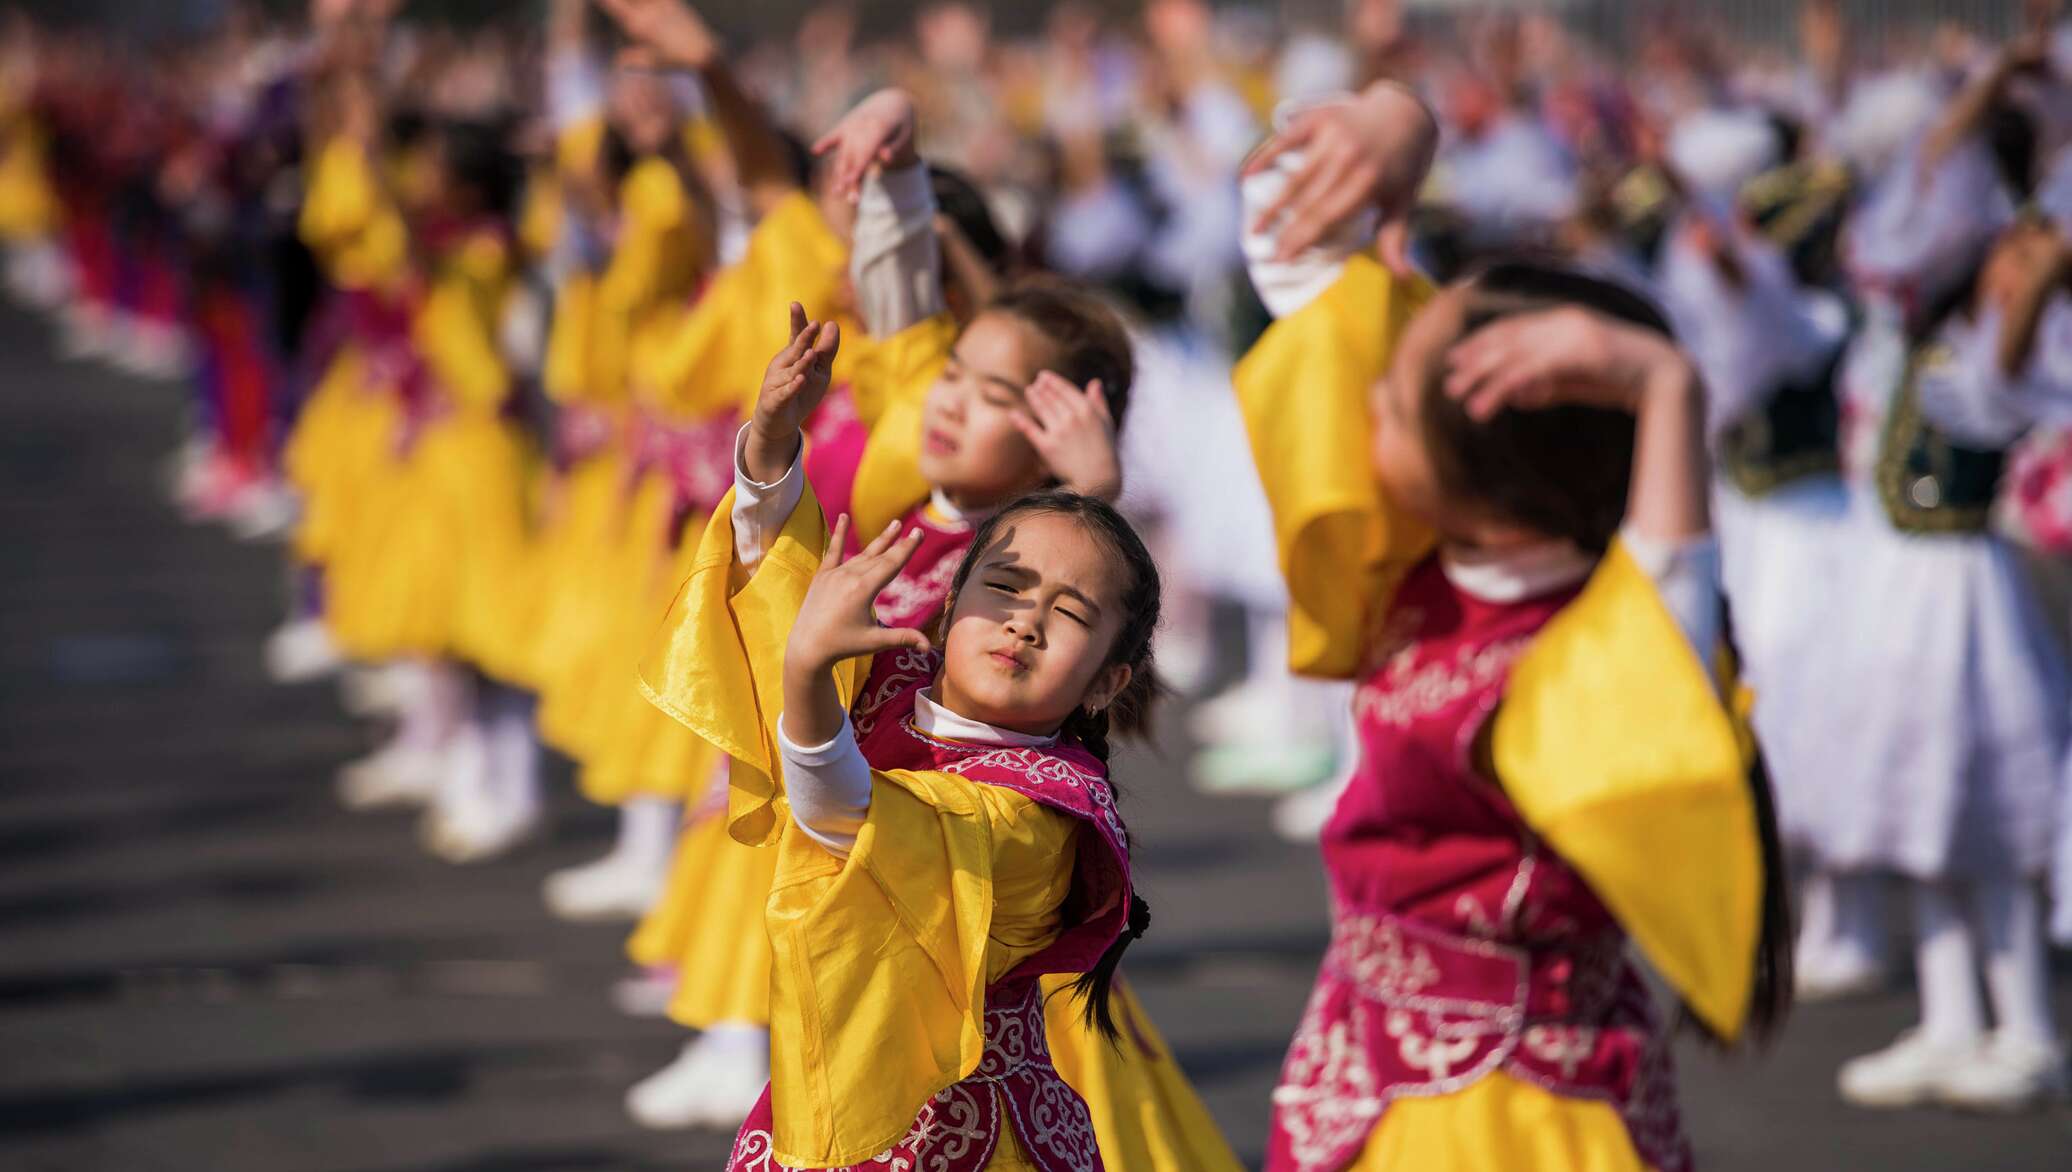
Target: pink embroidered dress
{"type": "Point", "coordinates": [1015, 1085]}
{"type": "Point", "coordinates": [1460, 944]}
{"type": "Point", "coordinates": [1476, 1007]}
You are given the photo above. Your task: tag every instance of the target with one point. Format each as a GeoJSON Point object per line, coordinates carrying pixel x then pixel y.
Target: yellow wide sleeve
{"type": "Point", "coordinates": [347, 220]}
{"type": "Point", "coordinates": [891, 384]}
{"type": "Point", "coordinates": [455, 329]}
{"type": "Point", "coordinates": [1303, 390]}
{"type": "Point", "coordinates": [653, 249]}
{"type": "Point", "coordinates": [341, 195]}
{"type": "Point", "coordinates": [881, 964]}
{"type": "Point", "coordinates": [717, 663]}
{"type": "Point", "coordinates": [565, 370]}
{"type": "Point", "coordinates": [712, 358]}
{"type": "Point", "coordinates": [1618, 750]}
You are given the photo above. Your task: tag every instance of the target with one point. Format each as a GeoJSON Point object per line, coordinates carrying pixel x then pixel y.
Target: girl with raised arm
{"type": "Point", "coordinates": [1491, 503]}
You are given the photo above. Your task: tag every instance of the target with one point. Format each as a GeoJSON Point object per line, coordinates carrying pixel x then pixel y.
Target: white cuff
{"type": "Point", "coordinates": [1287, 285]}
{"type": "Point", "coordinates": [829, 787]}
{"type": "Point", "coordinates": [895, 260]}
{"type": "Point", "coordinates": [1686, 576]}
{"type": "Point", "coordinates": [760, 510]}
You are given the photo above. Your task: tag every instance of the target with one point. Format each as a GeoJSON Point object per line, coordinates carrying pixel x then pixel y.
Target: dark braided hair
{"type": "Point", "coordinates": [1129, 713]}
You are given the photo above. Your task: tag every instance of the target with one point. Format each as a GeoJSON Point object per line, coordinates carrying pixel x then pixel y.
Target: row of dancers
{"type": "Point", "coordinates": [792, 406]}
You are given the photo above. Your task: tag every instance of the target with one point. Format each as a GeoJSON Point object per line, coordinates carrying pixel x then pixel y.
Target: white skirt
{"type": "Point", "coordinates": [1923, 723]}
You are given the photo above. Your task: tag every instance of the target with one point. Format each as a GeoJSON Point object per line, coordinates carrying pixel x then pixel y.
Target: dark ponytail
{"type": "Point", "coordinates": [1769, 1001]}
{"type": "Point", "coordinates": [1128, 714]}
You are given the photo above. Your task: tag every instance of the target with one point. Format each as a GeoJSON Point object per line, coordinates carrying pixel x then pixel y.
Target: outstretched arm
{"type": "Point", "coordinates": [675, 33]}
{"type": "Point", "coordinates": [895, 260]}
{"type": "Point", "coordinates": [1978, 98]}
{"type": "Point", "coordinates": [1368, 151]}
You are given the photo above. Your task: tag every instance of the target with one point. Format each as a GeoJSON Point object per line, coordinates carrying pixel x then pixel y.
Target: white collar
{"type": "Point", "coordinates": [1514, 575]}
{"type": "Point", "coordinates": [951, 515]}
{"type": "Point", "coordinates": [932, 719]}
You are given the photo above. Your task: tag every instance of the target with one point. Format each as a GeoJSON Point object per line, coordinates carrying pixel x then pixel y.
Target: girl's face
{"type": "Point", "coordinates": [1402, 464]}
{"type": "Point", "coordinates": [970, 446]}
{"type": "Point", "coordinates": [642, 109]}
{"type": "Point", "coordinates": [1029, 634]}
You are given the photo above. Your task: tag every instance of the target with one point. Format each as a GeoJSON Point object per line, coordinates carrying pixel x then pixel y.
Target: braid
{"type": "Point", "coordinates": [1127, 713]}
{"type": "Point", "coordinates": [1090, 730]}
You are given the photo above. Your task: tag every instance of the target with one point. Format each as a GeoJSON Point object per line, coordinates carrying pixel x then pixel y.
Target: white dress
{"type": "Point", "coordinates": [1943, 699]}
{"type": "Point", "coordinates": [1946, 699]}
{"type": "Point", "coordinates": [1748, 342]}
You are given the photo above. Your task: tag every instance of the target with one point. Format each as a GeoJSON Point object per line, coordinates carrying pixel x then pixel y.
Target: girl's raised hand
{"type": "Point", "coordinates": [793, 386]}
{"type": "Point", "coordinates": [1072, 430]}
{"type": "Point", "coordinates": [878, 132]}
{"type": "Point", "coordinates": [671, 29]}
{"type": "Point", "coordinates": [1537, 360]}
{"type": "Point", "coordinates": [1371, 150]}
{"type": "Point", "coordinates": [836, 622]}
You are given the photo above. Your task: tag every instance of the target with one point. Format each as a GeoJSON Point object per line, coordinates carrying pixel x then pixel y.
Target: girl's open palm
{"type": "Point", "coordinates": [797, 378]}
{"type": "Point", "coordinates": [878, 132]}
{"type": "Point", "coordinates": [836, 622]}
{"type": "Point", "coordinates": [1538, 360]}
{"type": "Point", "coordinates": [671, 29]}
{"type": "Point", "coordinates": [1074, 433]}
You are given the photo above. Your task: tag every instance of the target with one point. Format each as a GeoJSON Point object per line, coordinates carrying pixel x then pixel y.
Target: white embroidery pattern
{"type": "Point", "coordinates": [1040, 766]}
{"type": "Point", "coordinates": [1329, 1098]}
{"type": "Point", "coordinates": [906, 600]}
{"type": "Point", "coordinates": [1405, 691]}
{"type": "Point", "coordinates": [908, 667]}
{"type": "Point", "coordinates": [959, 1127]}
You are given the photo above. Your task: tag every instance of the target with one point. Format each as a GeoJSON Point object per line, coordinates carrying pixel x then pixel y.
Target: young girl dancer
{"type": "Point", "coordinates": [961, 830]}
{"type": "Point", "coordinates": [981, 439]}
{"type": "Point", "coordinates": [1491, 503]}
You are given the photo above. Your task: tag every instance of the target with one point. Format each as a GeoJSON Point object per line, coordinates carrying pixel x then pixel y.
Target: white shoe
{"type": "Point", "coordinates": [153, 351]}
{"type": "Point", "coordinates": [1911, 1071]}
{"type": "Point", "coordinates": [1185, 660]}
{"type": "Point", "coordinates": [670, 1099]}
{"type": "Point", "coordinates": [264, 510]}
{"type": "Point", "coordinates": [477, 836]}
{"type": "Point", "coordinates": [300, 650]}
{"type": "Point", "coordinates": [1271, 769]}
{"type": "Point", "coordinates": [1300, 817]}
{"type": "Point", "coordinates": [615, 887]}
{"type": "Point", "coordinates": [646, 993]}
{"type": "Point", "coordinates": [2007, 1074]}
{"type": "Point", "coordinates": [708, 1085]}
{"type": "Point", "coordinates": [735, 1080]}
{"type": "Point", "coordinates": [1251, 711]}
{"type": "Point", "coordinates": [373, 691]}
{"type": "Point", "coordinates": [1836, 974]}
{"type": "Point", "coordinates": [392, 776]}
{"type": "Point", "coordinates": [88, 332]}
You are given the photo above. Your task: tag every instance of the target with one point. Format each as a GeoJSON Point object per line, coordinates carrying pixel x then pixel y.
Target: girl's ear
{"type": "Point", "coordinates": [1106, 687]}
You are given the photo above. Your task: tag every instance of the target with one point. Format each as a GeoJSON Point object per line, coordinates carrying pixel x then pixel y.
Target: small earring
{"type": "Point", "coordinates": [1093, 710]}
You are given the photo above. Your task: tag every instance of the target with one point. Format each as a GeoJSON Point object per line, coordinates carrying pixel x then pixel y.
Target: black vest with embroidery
{"type": "Point", "coordinates": [1796, 434]}
{"type": "Point", "coordinates": [1928, 481]}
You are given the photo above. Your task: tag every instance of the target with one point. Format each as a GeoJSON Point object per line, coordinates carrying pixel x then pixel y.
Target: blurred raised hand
{"type": "Point", "coordinates": [1372, 150]}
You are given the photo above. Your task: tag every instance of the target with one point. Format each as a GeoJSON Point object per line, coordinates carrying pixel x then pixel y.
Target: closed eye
{"type": "Point", "coordinates": [1003, 588]}
{"type": "Point", "coordinates": [1074, 617]}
